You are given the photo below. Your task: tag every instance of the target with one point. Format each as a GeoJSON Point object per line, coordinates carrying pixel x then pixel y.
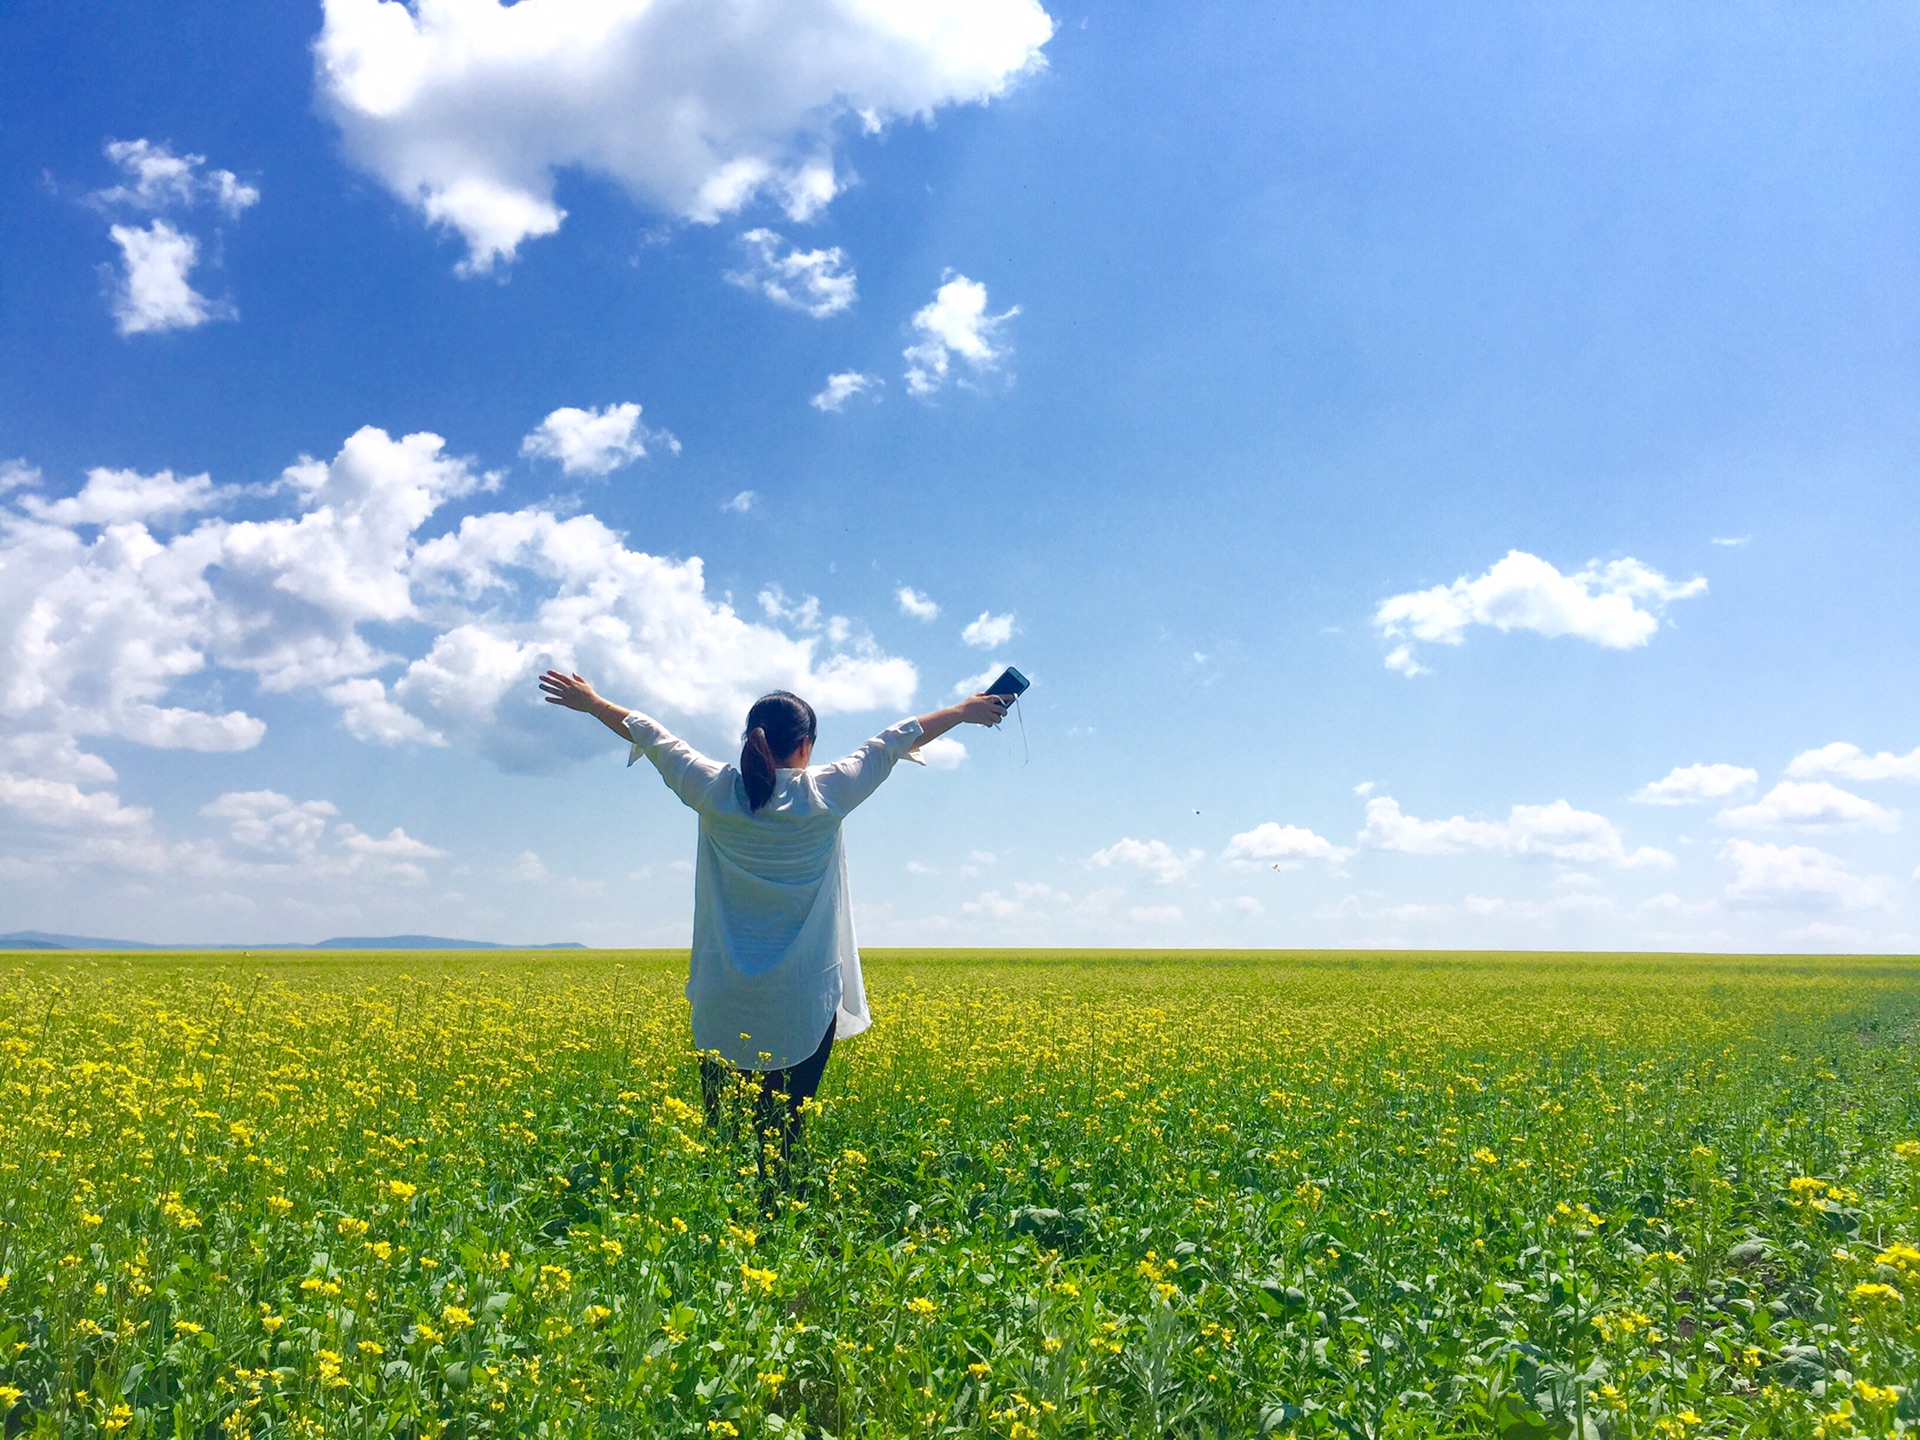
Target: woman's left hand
{"type": "Point", "coordinates": [572, 691]}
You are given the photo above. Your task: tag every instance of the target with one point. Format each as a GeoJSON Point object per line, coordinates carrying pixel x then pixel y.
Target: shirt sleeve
{"type": "Point", "coordinates": [844, 784]}
{"type": "Point", "coordinates": [699, 782]}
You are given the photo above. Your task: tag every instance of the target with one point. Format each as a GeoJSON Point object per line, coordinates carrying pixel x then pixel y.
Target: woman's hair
{"type": "Point", "coordinates": [776, 726]}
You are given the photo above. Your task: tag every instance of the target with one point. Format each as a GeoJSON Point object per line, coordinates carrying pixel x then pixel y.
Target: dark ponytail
{"type": "Point", "coordinates": [776, 726]}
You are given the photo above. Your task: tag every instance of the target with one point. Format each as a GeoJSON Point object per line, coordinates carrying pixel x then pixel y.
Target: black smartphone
{"type": "Point", "coordinates": [1011, 684]}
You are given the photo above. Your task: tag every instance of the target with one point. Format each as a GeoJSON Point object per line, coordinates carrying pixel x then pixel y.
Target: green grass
{"type": "Point", "coordinates": [1053, 1194]}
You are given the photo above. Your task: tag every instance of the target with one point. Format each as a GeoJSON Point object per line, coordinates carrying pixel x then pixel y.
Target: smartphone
{"type": "Point", "coordinates": [1011, 684]}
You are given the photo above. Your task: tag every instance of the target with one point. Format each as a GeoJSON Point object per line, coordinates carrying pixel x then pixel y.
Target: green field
{"type": "Point", "coordinates": [1048, 1195]}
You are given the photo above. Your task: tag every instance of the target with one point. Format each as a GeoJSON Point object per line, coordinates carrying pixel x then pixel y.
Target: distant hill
{"type": "Point", "coordinates": [46, 940]}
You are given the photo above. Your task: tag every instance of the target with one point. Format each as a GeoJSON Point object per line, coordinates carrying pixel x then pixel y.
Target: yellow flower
{"type": "Point", "coordinates": [1873, 1290]}
{"type": "Point", "coordinates": [922, 1307]}
{"type": "Point", "coordinates": [456, 1316]}
{"type": "Point", "coordinates": [1485, 1156]}
{"type": "Point", "coordinates": [10, 1396]}
{"type": "Point", "coordinates": [401, 1190]}
{"type": "Point", "coordinates": [278, 1204]}
{"type": "Point", "coordinates": [979, 1369]}
{"type": "Point", "coordinates": [751, 1277]}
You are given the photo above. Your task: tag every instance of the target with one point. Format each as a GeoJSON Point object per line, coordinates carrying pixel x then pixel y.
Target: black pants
{"type": "Point", "coordinates": [777, 1095]}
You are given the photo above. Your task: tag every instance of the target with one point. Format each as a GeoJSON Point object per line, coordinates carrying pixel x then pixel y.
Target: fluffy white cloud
{"type": "Point", "coordinates": [152, 292]}
{"type": "Point", "coordinates": [1617, 605]}
{"type": "Point", "coordinates": [288, 838]}
{"type": "Point", "coordinates": [955, 322]}
{"type": "Point", "coordinates": [741, 503]}
{"type": "Point", "coordinates": [842, 387]}
{"type": "Point", "coordinates": [976, 684]}
{"type": "Point", "coordinates": [914, 603]}
{"type": "Point", "coordinates": [158, 179]}
{"type": "Point", "coordinates": [1156, 858]}
{"type": "Point", "coordinates": [1400, 660]}
{"type": "Point", "coordinates": [130, 633]}
{"type": "Point", "coordinates": [18, 475]}
{"type": "Point", "coordinates": [1850, 762]}
{"type": "Point", "coordinates": [1691, 784]}
{"type": "Point", "coordinates": [467, 108]}
{"type": "Point", "coordinates": [112, 496]}
{"type": "Point", "coordinates": [988, 631]}
{"type": "Point", "coordinates": [1812, 805]}
{"type": "Point", "coordinates": [945, 753]}
{"type": "Point", "coordinates": [1556, 831]}
{"type": "Point", "coordinates": [1029, 901]}
{"type": "Point", "coordinates": [267, 820]}
{"type": "Point", "coordinates": [818, 282]}
{"type": "Point", "coordinates": [1797, 877]}
{"type": "Point", "coordinates": [594, 442]}
{"type": "Point", "coordinates": [1280, 847]}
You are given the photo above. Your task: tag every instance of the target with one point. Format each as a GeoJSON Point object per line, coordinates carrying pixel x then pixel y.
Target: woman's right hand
{"type": "Point", "coordinates": [986, 710]}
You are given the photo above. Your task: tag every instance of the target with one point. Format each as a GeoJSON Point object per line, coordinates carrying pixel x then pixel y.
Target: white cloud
{"type": "Point", "coordinates": [1797, 877]}
{"type": "Point", "coordinates": [1813, 805]}
{"type": "Point", "coordinates": [976, 684]}
{"type": "Point", "coordinates": [529, 867]}
{"type": "Point", "coordinates": [1281, 847]}
{"type": "Point", "coordinates": [370, 714]}
{"type": "Point", "coordinates": [132, 634]}
{"type": "Point", "coordinates": [1156, 858]}
{"type": "Point", "coordinates": [842, 387]}
{"type": "Point", "coordinates": [18, 475]}
{"type": "Point", "coordinates": [945, 753]}
{"type": "Point", "coordinates": [111, 497]}
{"type": "Point", "coordinates": [1731, 541]}
{"type": "Point", "coordinates": [1365, 787]}
{"type": "Point", "coordinates": [289, 839]}
{"type": "Point", "coordinates": [468, 108]}
{"type": "Point", "coordinates": [1617, 605]}
{"type": "Point", "coordinates": [1850, 762]}
{"type": "Point", "coordinates": [1242, 904]}
{"type": "Point", "coordinates": [62, 805]}
{"type": "Point", "coordinates": [1556, 831]}
{"type": "Point", "coordinates": [742, 503]}
{"type": "Point", "coordinates": [914, 603]}
{"type": "Point", "coordinates": [1690, 784]}
{"type": "Point", "coordinates": [158, 179]}
{"type": "Point", "coordinates": [1400, 660]}
{"type": "Point", "coordinates": [152, 292]}
{"type": "Point", "coordinates": [594, 442]}
{"type": "Point", "coordinates": [267, 820]}
{"type": "Point", "coordinates": [955, 322]}
{"type": "Point", "coordinates": [1029, 901]}
{"type": "Point", "coordinates": [988, 631]}
{"type": "Point", "coordinates": [817, 282]}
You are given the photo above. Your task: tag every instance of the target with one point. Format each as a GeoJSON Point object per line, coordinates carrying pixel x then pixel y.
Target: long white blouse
{"type": "Point", "coordinates": [774, 957]}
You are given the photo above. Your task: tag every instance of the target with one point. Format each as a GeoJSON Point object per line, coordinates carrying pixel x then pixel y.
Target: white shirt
{"type": "Point", "coordinates": [774, 957]}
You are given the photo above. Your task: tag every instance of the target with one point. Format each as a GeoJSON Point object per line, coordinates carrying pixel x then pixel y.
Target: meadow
{"type": "Point", "coordinates": [1048, 1195]}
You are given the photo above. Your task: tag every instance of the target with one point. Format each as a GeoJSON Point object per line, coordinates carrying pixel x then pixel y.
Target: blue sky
{"type": "Point", "coordinates": [1450, 476]}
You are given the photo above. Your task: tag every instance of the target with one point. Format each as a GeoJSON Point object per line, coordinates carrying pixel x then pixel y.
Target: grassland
{"type": "Point", "coordinates": [1048, 1195]}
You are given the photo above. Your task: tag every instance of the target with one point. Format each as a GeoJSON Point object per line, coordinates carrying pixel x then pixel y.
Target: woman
{"type": "Point", "coordinates": [775, 977]}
